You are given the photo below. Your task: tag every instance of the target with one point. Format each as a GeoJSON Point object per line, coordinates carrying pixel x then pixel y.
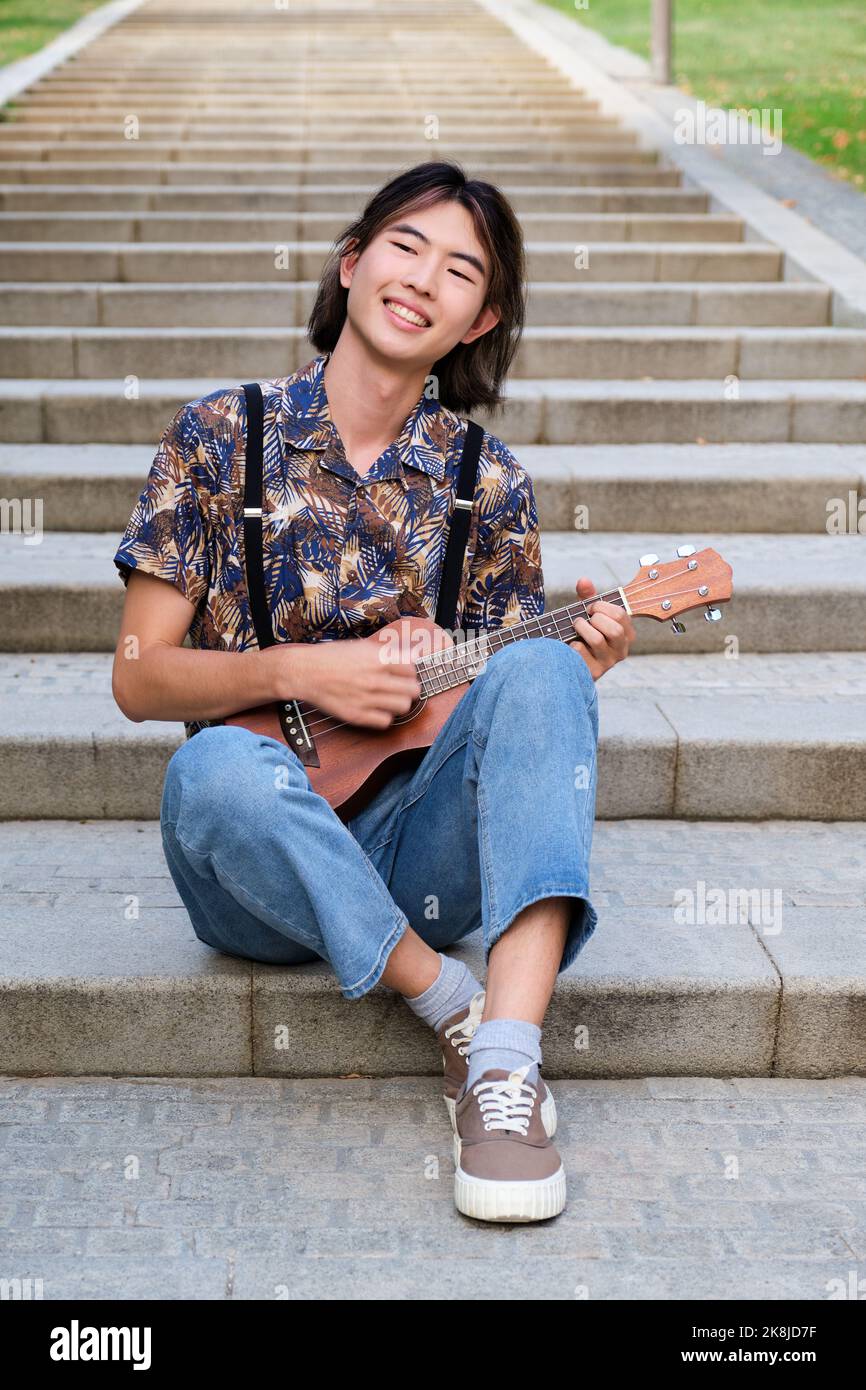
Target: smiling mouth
{"type": "Point", "coordinates": [407, 315]}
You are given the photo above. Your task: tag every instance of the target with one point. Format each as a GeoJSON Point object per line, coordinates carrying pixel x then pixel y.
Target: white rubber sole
{"type": "Point", "coordinates": [486, 1200]}
{"type": "Point", "coordinates": [548, 1114]}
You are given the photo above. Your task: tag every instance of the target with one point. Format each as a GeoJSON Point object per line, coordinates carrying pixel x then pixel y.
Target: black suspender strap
{"type": "Point", "coordinates": [452, 565]}
{"type": "Point", "coordinates": [253, 499]}
{"type": "Point", "coordinates": [291, 719]}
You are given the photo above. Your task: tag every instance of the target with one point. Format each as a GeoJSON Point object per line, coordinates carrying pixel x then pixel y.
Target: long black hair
{"type": "Point", "coordinates": [471, 374]}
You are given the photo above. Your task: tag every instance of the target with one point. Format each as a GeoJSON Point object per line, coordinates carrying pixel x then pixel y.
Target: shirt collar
{"type": "Point", "coordinates": [422, 443]}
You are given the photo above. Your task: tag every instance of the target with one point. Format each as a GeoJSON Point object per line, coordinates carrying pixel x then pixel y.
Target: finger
{"type": "Point", "coordinates": [611, 609]}
{"type": "Point", "coordinates": [396, 684]}
{"type": "Point", "coordinates": [617, 615]}
{"type": "Point", "coordinates": [390, 659]}
{"type": "Point", "coordinates": [611, 628]}
{"type": "Point", "coordinates": [594, 639]}
{"type": "Point", "coordinates": [394, 701]}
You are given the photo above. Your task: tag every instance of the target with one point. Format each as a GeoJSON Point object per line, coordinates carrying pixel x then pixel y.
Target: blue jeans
{"type": "Point", "coordinates": [497, 815]}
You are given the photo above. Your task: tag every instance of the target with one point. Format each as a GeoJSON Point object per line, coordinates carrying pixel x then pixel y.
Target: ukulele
{"type": "Point", "coordinates": [348, 763]}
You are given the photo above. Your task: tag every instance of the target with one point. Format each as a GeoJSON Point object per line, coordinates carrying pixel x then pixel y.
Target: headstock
{"type": "Point", "coordinates": [695, 578]}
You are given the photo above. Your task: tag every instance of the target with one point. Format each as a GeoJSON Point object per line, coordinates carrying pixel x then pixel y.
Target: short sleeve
{"type": "Point", "coordinates": [167, 533]}
{"type": "Point", "coordinates": [506, 582]}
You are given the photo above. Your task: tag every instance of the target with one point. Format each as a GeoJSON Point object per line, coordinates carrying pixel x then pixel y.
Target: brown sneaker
{"type": "Point", "coordinates": [506, 1168]}
{"type": "Point", "coordinates": [454, 1036]}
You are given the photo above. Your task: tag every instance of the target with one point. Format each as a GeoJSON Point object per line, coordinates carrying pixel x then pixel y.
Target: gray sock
{"type": "Point", "coordinates": [451, 992]}
{"type": "Point", "coordinates": [507, 1043]}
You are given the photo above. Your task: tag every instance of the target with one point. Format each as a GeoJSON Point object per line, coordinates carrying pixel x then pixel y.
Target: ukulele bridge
{"type": "Point", "coordinates": [296, 733]}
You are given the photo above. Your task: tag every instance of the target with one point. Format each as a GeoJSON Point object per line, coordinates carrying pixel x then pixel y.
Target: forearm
{"type": "Point", "coordinates": [178, 683]}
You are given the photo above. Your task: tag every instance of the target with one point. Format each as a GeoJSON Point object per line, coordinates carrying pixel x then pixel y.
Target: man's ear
{"type": "Point", "coordinates": [487, 318]}
{"type": "Point", "coordinates": [348, 261]}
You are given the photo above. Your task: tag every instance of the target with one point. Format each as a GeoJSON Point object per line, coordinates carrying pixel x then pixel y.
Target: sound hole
{"type": "Point", "coordinates": [411, 713]}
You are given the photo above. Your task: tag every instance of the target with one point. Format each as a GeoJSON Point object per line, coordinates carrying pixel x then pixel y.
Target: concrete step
{"type": "Point", "coordinates": [692, 737]}
{"type": "Point", "coordinates": [732, 487]}
{"type": "Point", "coordinates": [536, 411]}
{"type": "Point", "coordinates": [622, 354]}
{"type": "Point", "coordinates": [353, 85]}
{"type": "Point", "coordinates": [739, 488]}
{"type": "Point", "coordinates": [218, 262]}
{"type": "Point", "coordinates": [203, 227]}
{"type": "Point", "coordinates": [339, 200]}
{"type": "Point", "coordinates": [243, 74]}
{"type": "Point", "coordinates": [382, 127]}
{"type": "Point", "coordinates": [300, 174]}
{"type": "Point", "coordinates": [69, 100]}
{"type": "Point", "coordinates": [594, 150]}
{"type": "Point", "coordinates": [61, 592]}
{"type": "Point", "coordinates": [552, 302]}
{"type": "Point", "coordinates": [103, 974]}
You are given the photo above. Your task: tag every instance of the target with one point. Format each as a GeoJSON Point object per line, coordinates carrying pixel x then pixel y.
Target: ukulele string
{"type": "Point", "coordinates": [317, 724]}
{"type": "Point", "coordinates": [436, 665]}
{"type": "Point", "coordinates": [479, 645]}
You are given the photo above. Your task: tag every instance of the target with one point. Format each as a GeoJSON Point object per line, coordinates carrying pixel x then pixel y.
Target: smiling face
{"type": "Point", "coordinates": [418, 288]}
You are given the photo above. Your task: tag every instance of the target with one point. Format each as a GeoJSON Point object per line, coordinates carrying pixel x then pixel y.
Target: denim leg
{"type": "Point", "coordinates": [500, 814]}
{"type": "Point", "coordinates": [265, 867]}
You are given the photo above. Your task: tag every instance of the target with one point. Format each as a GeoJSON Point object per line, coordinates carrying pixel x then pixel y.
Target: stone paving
{"type": "Point", "coordinates": [342, 1188]}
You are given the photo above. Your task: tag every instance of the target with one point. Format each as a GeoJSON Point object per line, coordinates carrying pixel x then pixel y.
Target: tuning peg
{"type": "Point", "coordinates": [677, 626]}
{"type": "Point", "coordinates": [713, 615]}
{"type": "Point", "coordinates": [648, 560]}
{"type": "Point", "coordinates": [684, 550]}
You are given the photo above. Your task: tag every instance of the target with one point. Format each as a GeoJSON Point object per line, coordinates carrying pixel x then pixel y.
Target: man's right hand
{"type": "Point", "coordinates": [360, 680]}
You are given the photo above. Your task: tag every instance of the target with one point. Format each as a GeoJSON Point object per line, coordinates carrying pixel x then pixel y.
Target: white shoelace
{"type": "Point", "coordinates": [507, 1104]}
{"type": "Point", "coordinates": [464, 1030]}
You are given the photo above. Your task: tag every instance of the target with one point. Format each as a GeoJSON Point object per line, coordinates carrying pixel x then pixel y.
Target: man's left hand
{"type": "Point", "coordinates": [605, 637]}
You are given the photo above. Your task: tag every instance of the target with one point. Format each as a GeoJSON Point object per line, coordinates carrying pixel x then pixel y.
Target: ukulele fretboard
{"type": "Point", "coordinates": [456, 665]}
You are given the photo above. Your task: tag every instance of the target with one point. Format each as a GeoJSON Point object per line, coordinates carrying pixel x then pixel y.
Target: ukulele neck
{"type": "Point", "coordinates": [456, 665]}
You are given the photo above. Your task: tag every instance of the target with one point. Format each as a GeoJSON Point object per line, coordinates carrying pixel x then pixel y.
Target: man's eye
{"type": "Point", "coordinates": [403, 247]}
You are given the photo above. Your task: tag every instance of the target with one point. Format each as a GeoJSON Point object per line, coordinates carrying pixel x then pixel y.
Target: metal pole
{"type": "Point", "coordinates": [661, 40]}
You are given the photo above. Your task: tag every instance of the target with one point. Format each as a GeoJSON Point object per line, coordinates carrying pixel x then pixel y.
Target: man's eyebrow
{"type": "Point", "coordinates": [456, 255]}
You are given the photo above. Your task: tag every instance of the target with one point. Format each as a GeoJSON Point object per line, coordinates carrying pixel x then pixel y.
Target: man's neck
{"type": "Point", "coordinates": [368, 400]}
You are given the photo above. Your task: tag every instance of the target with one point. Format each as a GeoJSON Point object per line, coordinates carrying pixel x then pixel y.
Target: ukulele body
{"type": "Point", "coordinates": [355, 760]}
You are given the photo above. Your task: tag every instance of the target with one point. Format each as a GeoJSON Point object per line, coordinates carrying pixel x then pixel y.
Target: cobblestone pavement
{"type": "Point", "coordinates": [251, 1188]}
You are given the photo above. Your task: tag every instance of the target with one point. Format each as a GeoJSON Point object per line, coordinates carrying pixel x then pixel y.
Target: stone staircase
{"type": "Point", "coordinates": [686, 385]}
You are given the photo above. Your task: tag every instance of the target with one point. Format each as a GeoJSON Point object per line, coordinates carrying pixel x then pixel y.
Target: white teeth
{"type": "Point", "coordinates": [404, 313]}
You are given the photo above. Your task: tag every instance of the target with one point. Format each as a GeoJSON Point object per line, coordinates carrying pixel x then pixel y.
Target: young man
{"type": "Point", "coordinates": [494, 824]}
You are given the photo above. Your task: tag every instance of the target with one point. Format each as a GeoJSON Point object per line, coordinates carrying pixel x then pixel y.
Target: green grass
{"type": "Point", "coordinates": [804, 57]}
{"type": "Point", "coordinates": [26, 27]}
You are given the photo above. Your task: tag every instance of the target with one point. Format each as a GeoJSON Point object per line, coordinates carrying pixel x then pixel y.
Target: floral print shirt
{"type": "Point", "coordinates": [344, 553]}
